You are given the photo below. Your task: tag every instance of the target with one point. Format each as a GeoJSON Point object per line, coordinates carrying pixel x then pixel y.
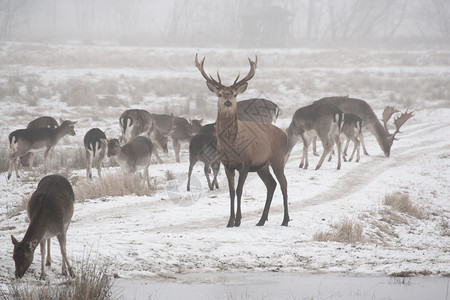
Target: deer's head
{"type": "Point", "coordinates": [226, 101]}
{"type": "Point", "coordinates": [112, 146]}
{"type": "Point", "coordinates": [398, 122]}
{"type": "Point", "coordinates": [67, 126]}
{"type": "Point", "coordinates": [23, 255]}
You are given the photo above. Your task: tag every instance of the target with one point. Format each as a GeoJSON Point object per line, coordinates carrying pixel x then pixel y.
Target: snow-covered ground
{"type": "Point", "coordinates": [160, 237]}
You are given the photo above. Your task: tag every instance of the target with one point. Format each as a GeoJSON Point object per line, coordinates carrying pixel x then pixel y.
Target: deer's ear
{"type": "Point", "coordinates": [14, 241]}
{"type": "Point", "coordinates": [242, 88]}
{"type": "Point", "coordinates": [33, 245]}
{"type": "Point", "coordinates": [212, 88]}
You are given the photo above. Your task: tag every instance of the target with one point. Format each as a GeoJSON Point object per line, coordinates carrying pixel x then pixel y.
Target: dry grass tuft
{"type": "Point", "coordinates": [400, 202]}
{"type": "Point", "coordinates": [117, 184]}
{"type": "Point", "coordinates": [345, 231]}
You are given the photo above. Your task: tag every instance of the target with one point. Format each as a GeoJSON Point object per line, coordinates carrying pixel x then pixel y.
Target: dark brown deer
{"type": "Point", "coordinates": [137, 122]}
{"type": "Point", "coordinates": [245, 146]}
{"type": "Point", "coordinates": [50, 211]}
{"type": "Point", "coordinates": [134, 155]}
{"type": "Point", "coordinates": [362, 109]}
{"type": "Point", "coordinates": [95, 146]}
{"type": "Point", "coordinates": [179, 129]}
{"type": "Point", "coordinates": [23, 141]}
{"type": "Point", "coordinates": [208, 129]}
{"type": "Point", "coordinates": [257, 110]}
{"type": "Point", "coordinates": [45, 121]}
{"type": "Point", "coordinates": [322, 120]}
{"type": "Point", "coordinates": [204, 148]}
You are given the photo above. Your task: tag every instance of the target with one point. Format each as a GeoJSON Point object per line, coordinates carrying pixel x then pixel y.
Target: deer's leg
{"type": "Point", "coordinates": [13, 162]}
{"type": "Point", "coordinates": [176, 148]}
{"type": "Point", "coordinates": [355, 148]}
{"type": "Point", "coordinates": [327, 146]}
{"type": "Point", "coordinates": [331, 155]}
{"type": "Point", "coordinates": [65, 262]}
{"type": "Point", "coordinates": [192, 162]}
{"type": "Point", "coordinates": [99, 167]}
{"type": "Point", "coordinates": [278, 170]}
{"type": "Point", "coordinates": [304, 162]}
{"type": "Point", "coordinates": [42, 244]}
{"type": "Point", "coordinates": [155, 152]}
{"type": "Point", "coordinates": [339, 150]}
{"type": "Point", "coordinates": [47, 156]}
{"type": "Point", "coordinates": [361, 138]}
{"type": "Point", "coordinates": [48, 262]}
{"type": "Point", "coordinates": [216, 168]}
{"type": "Point", "coordinates": [230, 178]}
{"type": "Point", "coordinates": [266, 177]}
{"type": "Point", "coordinates": [146, 176]}
{"type": "Point", "coordinates": [242, 177]}
{"type": "Point", "coordinates": [88, 165]}
{"type": "Point", "coordinates": [206, 170]}
{"type": "Point", "coordinates": [344, 153]}
{"type": "Point", "coordinates": [314, 144]}
{"type": "Point", "coordinates": [30, 159]}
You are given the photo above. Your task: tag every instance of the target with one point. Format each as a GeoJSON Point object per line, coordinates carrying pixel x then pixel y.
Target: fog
{"type": "Point", "coordinates": [232, 23]}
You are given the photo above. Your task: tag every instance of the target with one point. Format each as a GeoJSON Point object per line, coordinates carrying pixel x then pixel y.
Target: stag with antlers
{"type": "Point", "coordinates": [246, 147]}
{"type": "Point", "coordinates": [362, 109]}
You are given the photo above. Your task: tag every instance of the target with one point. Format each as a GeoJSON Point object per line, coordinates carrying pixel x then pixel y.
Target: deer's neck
{"type": "Point", "coordinates": [59, 134]}
{"type": "Point", "coordinates": [36, 230]}
{"type": "Point", "coordinates": [380, 133]}
{"type": "Point", "coordinates": [226, 127]}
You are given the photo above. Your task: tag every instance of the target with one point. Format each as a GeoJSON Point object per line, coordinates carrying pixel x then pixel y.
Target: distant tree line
{"type": "Point", "coordinates": [245, 23]}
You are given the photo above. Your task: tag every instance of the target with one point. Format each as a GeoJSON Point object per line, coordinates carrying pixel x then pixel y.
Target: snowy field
{"type": "Point", "coordinates": [160, 238]}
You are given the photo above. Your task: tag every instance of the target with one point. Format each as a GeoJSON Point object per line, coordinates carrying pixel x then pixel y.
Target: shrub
{"type": "Point", "coordinates": [345, 231]}
{"type": "Point", "coordinates": [400, 202]}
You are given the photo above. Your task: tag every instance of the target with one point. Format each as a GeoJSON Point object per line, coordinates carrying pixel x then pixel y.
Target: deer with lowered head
{"type": "Point", "coordinates": [95, 147]}
{"type": "Point", "coordinates": [23, 141]}
{"type": "Point", "coordinates": [50, 211]}
{"type": "Point", "coordinates": [139, 122]}
{"type": "Point", "coordinates": [322, 120]}
{"type": "Point", "coordinates": [362, 109]}
{"type": "Point", "coordinates": [246, 146]}
{"type": "Point", "coordinates": [134, 155]}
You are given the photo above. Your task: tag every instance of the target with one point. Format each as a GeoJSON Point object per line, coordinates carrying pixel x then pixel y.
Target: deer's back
{"type": "Point", "coordinates": [53, 203]}
{"type": "Point", "coordinates": [257, 110]}
{"type": "Point", "coordinates": [44, 136]}
{"type": "Point", "coordinates": [352, 106]}
{"type": "Point", "coordinates": [44, 121]}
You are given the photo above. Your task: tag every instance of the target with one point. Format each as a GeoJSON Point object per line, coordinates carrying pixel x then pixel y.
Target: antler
{"type": "Point", "coordinates": [387, 114]}
{"type": "Point", "coordinates": [250, 74]}
{"type": "Point", "coordinates": [208, 78]}
{"type": "Point", "coordinates": [401, 120]}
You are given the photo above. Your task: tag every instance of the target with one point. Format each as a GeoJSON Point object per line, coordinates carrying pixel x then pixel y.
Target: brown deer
{"type": "Point", "coordinates": [23, 141]}
{"type": "Point", "coordinates": [134, 155]}
{"type": "Point", "coordinates": [45, 121]}
{"type": "Point", "coordinates": [179, 129]}
{"type": "Point", "coordinates": [245, 146]}
{"type": "Point", "coordinates": [204, 148]}
{"type": "Point", "coordinates": [137, 122]}
{"type": "Point", "coordinates": [50, 211]}
{"type": "Point", "coordinates": [322, 120]}
{"type": "Point", "coordinates": [95, 146]}
{"type": "Point", "coordinates": [362, 109]}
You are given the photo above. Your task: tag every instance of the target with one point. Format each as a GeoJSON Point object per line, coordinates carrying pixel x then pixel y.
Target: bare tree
{"type": "Point", "coordinates": [8, 12]}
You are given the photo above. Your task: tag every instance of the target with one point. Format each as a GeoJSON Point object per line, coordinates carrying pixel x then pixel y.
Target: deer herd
{"type": "Point", "coordinates": [242, 139]}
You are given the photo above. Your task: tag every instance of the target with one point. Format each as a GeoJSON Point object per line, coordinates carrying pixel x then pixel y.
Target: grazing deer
{"type": "Point", "coordinates": [136, 122]}
{"type": "Point", "coordinates": [50, 211]}
{"type": "Point", "coordinates": [322, 120]}
{"type": "Point", "coordinates": [45, 121]}
{"type": "Point", "coordinates": [95, 146]}
{"type": "Point", "coordinates": [257, 110]}
{"type": "Point", "coordinates": [245, 146]}
{"type": "Point", "coordinates": [362, 109]}
{"type": "Point", "coordinates": [179, 129]}
{"type": "Point", "coordinates": [204, 148]}
{"type": "Point", "coordinates": [23, 141]}
{"type": "Point", "coordinates": [134, 155]}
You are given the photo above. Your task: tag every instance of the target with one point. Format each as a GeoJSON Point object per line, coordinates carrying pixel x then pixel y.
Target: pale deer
{"type": "Point", "coordinates": [322, 120]}
{"type": "Point", "coordinates": [23, 141]}
{"type": "Point", "coordinates": [204, 148]}
{"type": "Point", "coordinates": [362, 109]}
{"type": "Point", "coordinates": [45, 121]}
{"type": "Point", "coordinates": [95, 147]}
{"type": "Point", "coordinates": [139, 122]}
{"type": "Point", "coordinates": [245, 146]}
{"type": "Point", "coordinates": [134, 155]}
{"type": "Point", "coordinates": [257, 110]}
{"type": "Point", "coordinates": [50, 211]}
{"type": "Point", "coordinates": [179, 129]}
